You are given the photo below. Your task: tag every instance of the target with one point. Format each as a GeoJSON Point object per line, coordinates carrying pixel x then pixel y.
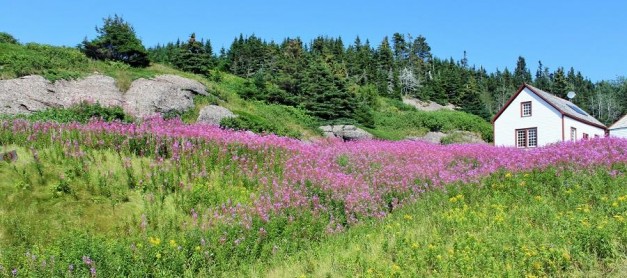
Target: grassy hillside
{"type": "Point", "coordinates": [393, 120]}
{"type": "Point", "coordinates": [531, 224]}
{"type": "Point", "coordinates": [163, 199]}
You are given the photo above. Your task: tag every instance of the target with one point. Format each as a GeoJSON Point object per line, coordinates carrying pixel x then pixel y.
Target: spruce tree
{"type": "Point", "coordinates": [324, 95]}
{"type": "Point", "coordinates": [116, 41]}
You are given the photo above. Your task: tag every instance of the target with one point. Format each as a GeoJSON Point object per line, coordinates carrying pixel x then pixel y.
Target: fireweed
{"type": "Point", "coordinates": [355, 179]}
{"type": "Point", "coordinates": [242, 190]}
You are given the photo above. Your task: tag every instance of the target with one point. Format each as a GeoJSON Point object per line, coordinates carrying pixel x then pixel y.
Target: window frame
{"type": "Point", "coordinates": [573, 134]}
{"type": "Point", "coordinates": [522, 109]}
{"type": "Point", "coordinates": [526, 139]}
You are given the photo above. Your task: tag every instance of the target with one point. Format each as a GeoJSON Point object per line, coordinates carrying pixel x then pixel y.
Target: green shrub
{"type": "Point", "coordinates": [257, 124]}
{"type": "Point", "coordinates": [82, 113]}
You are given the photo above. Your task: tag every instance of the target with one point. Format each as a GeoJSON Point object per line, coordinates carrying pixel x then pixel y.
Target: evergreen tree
{"type": "Point", "coordinates": [192, 57]}
{"type": "Point", "coordinates": [384, 59]}
{"type": "Point", "coordinates": [559, 84]}
{"type": "Point", "coordinates": [471, 99]}
{"type": "Point", "coordinates": [542, 78]}
{"type": "Point", "coordinates": [116, 41]}
{"type": "Point", "coordinates": [521, 73]}
{"type": "Point", "coordinates": [324, 94]}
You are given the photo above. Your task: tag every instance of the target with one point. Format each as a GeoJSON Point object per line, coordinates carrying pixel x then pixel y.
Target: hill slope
{"type": "Point", "coordinates": [392, 119]}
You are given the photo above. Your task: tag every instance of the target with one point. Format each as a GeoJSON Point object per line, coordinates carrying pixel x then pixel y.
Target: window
{"type": "Point", "coordinates": [527, 138]}
{"type": "Point", "coordinates": [525, 109]}
{"type": "Point", "coordinates": [573, 134]}
{"type": "Point", "coordinates": [586, 136]}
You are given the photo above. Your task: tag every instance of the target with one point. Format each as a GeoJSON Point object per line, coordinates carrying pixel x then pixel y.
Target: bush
{"type": "Point", "coordinates": [81, 113]}
{"type": "Point", "coordinates": [50, 61]}
{"type": "Point", "coordinates": [246, 121]}
{"type": "Point", "coordinates": [7, 38]}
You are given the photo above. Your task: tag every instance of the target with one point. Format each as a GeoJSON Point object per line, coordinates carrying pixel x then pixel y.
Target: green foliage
{"type": "Point", "coordinates": [258, 124]}
{"type": "Point", "coordinates": [82, 113]}
{"type": "Point", "coordinates": [541, 223]}
{"type": "Point", "coordinates": [400, 120]}
{"type": "Point", "coordinates": [50, 61]}
{"type": "Point", "coordinates": [116, 41]}
{"type": "Point", "coordinates": [193, 57]}
{"type": "Point", "coordinates": [8, 38]}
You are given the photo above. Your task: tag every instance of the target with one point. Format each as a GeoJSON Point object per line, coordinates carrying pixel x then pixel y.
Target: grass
{"type": "Point", "coordinates": [79, 201]}
{"type": "Point", "coordinates": [536, 224]}
{"type": "Point", "coordinates": [395, 120]}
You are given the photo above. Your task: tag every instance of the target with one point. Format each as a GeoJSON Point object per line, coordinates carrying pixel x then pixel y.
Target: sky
{"type": "Point", "coordinates": [590, 36]}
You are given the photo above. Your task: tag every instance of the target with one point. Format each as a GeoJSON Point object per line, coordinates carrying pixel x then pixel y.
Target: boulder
{"type": "Point", "coordinates": [454, 137]}
{"type": "Point", "coordinates": [427, 105]}
{"type": "Point", "coordinates": [94, 89]}
{"type": "Point", "coordinates": [213, 114]}
{"type": "Point", "coordinates": [163, 94]}
{"type": "Point", "coordinates": [35, 93]}
{"type": "Point", "coordinates": [27, 94]}
{"type": "Point", "coordinates": [346, 132]}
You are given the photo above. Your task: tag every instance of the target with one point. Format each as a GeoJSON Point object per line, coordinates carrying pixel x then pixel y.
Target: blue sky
{"type": "Point", "coordinates": [590, 36]}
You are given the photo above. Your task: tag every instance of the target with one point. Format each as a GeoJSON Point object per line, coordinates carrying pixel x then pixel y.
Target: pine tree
{"type": "Point", "coordinates": [324, 95]}
{"type": "Point", "coordinates": [116, 41]}
{"type": "Point", "coordinates": [542, 78]}
{"type": "Point", "coordinates": [521, 73]}
{"type": "Point", "coordinates": [192, 57]}
{"type": "Point", "coordinates": [559, 84]}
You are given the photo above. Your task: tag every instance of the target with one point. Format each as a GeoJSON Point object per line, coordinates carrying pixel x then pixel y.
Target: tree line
{"type": "Point", "coordinates": [339, 82]}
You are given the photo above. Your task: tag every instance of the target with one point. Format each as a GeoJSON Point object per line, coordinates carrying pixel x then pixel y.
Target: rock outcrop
{"type": "Point", "coordinates": [213, 114]}
{"type": "Point", "coordinates": [454, 137]}
{"type": "Point", "coordinates": [27, 94]}
{"type": "Point", "coordinates": [427, 105]}
{"type": "Point", "coordinates": [162, 94]}
{"type": "Point", "coordinates": [346, 132]}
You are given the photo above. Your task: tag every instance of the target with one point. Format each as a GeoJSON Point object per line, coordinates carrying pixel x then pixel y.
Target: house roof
{"type": "Point", "coordinates": [563, 106]}
{"type": "Point", "coordinates": [622, 123]}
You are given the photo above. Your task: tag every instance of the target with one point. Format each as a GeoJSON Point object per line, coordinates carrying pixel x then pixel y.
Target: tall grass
{"type": "Point", "coordinates": [163, 198]}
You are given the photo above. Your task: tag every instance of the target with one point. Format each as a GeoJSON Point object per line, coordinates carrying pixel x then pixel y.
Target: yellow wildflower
{"type": "Point", "coordinates": [172, 243]}
{"type": "Point", "coordinates": [158, 256]}
{"type": "Point", "coordinates": [396, 268]}
{"type": "Point", "coordinates": [198, 248]}
{"type": "Point", "coordinates": [407, 217]}
{"type": "Point", "coordinates": [508, 175]}
{"type": "Point", "coordinates": [154, 241]}
{"type": "Point", "coordinates": [566, 256]}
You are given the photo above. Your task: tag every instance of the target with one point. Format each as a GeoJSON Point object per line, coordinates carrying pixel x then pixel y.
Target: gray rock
{"type": "Point", "coordinates": [34, 93]}
{"type": "Point", "coordinates": [213, 114]}
{"type": "Point", "coordinates": [427, 105]}
{"type": "Point", "coordinates": [346, 132]}
{"type": "Point", "coordinates": [27, 94]}
{"type": "Point", "coordinates": [455, 137]}
{"type": "Point", "coordinates": [94, 89]}
{"type": "Point", "coordinates": [433, 137]}
{"type": "Point", "coordinates": [162, 94]}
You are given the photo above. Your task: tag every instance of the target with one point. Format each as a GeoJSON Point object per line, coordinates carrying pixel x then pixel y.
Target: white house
{"type": "Point", "coordinates": [619, 129]}
{"type": "Point", "coordinates": [534, 118]}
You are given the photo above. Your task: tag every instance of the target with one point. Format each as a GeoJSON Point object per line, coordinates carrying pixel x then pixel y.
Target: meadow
{"type": "Point", "coordinates": [167, 199]}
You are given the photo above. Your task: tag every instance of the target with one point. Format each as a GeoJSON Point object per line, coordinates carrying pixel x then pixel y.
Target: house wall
{"type": "Point", "coordinates": [619, 132]}
{"type": "Point", "coordinates": [544, 117]}
{"type": "Point", "coordinates": [581, 129]}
